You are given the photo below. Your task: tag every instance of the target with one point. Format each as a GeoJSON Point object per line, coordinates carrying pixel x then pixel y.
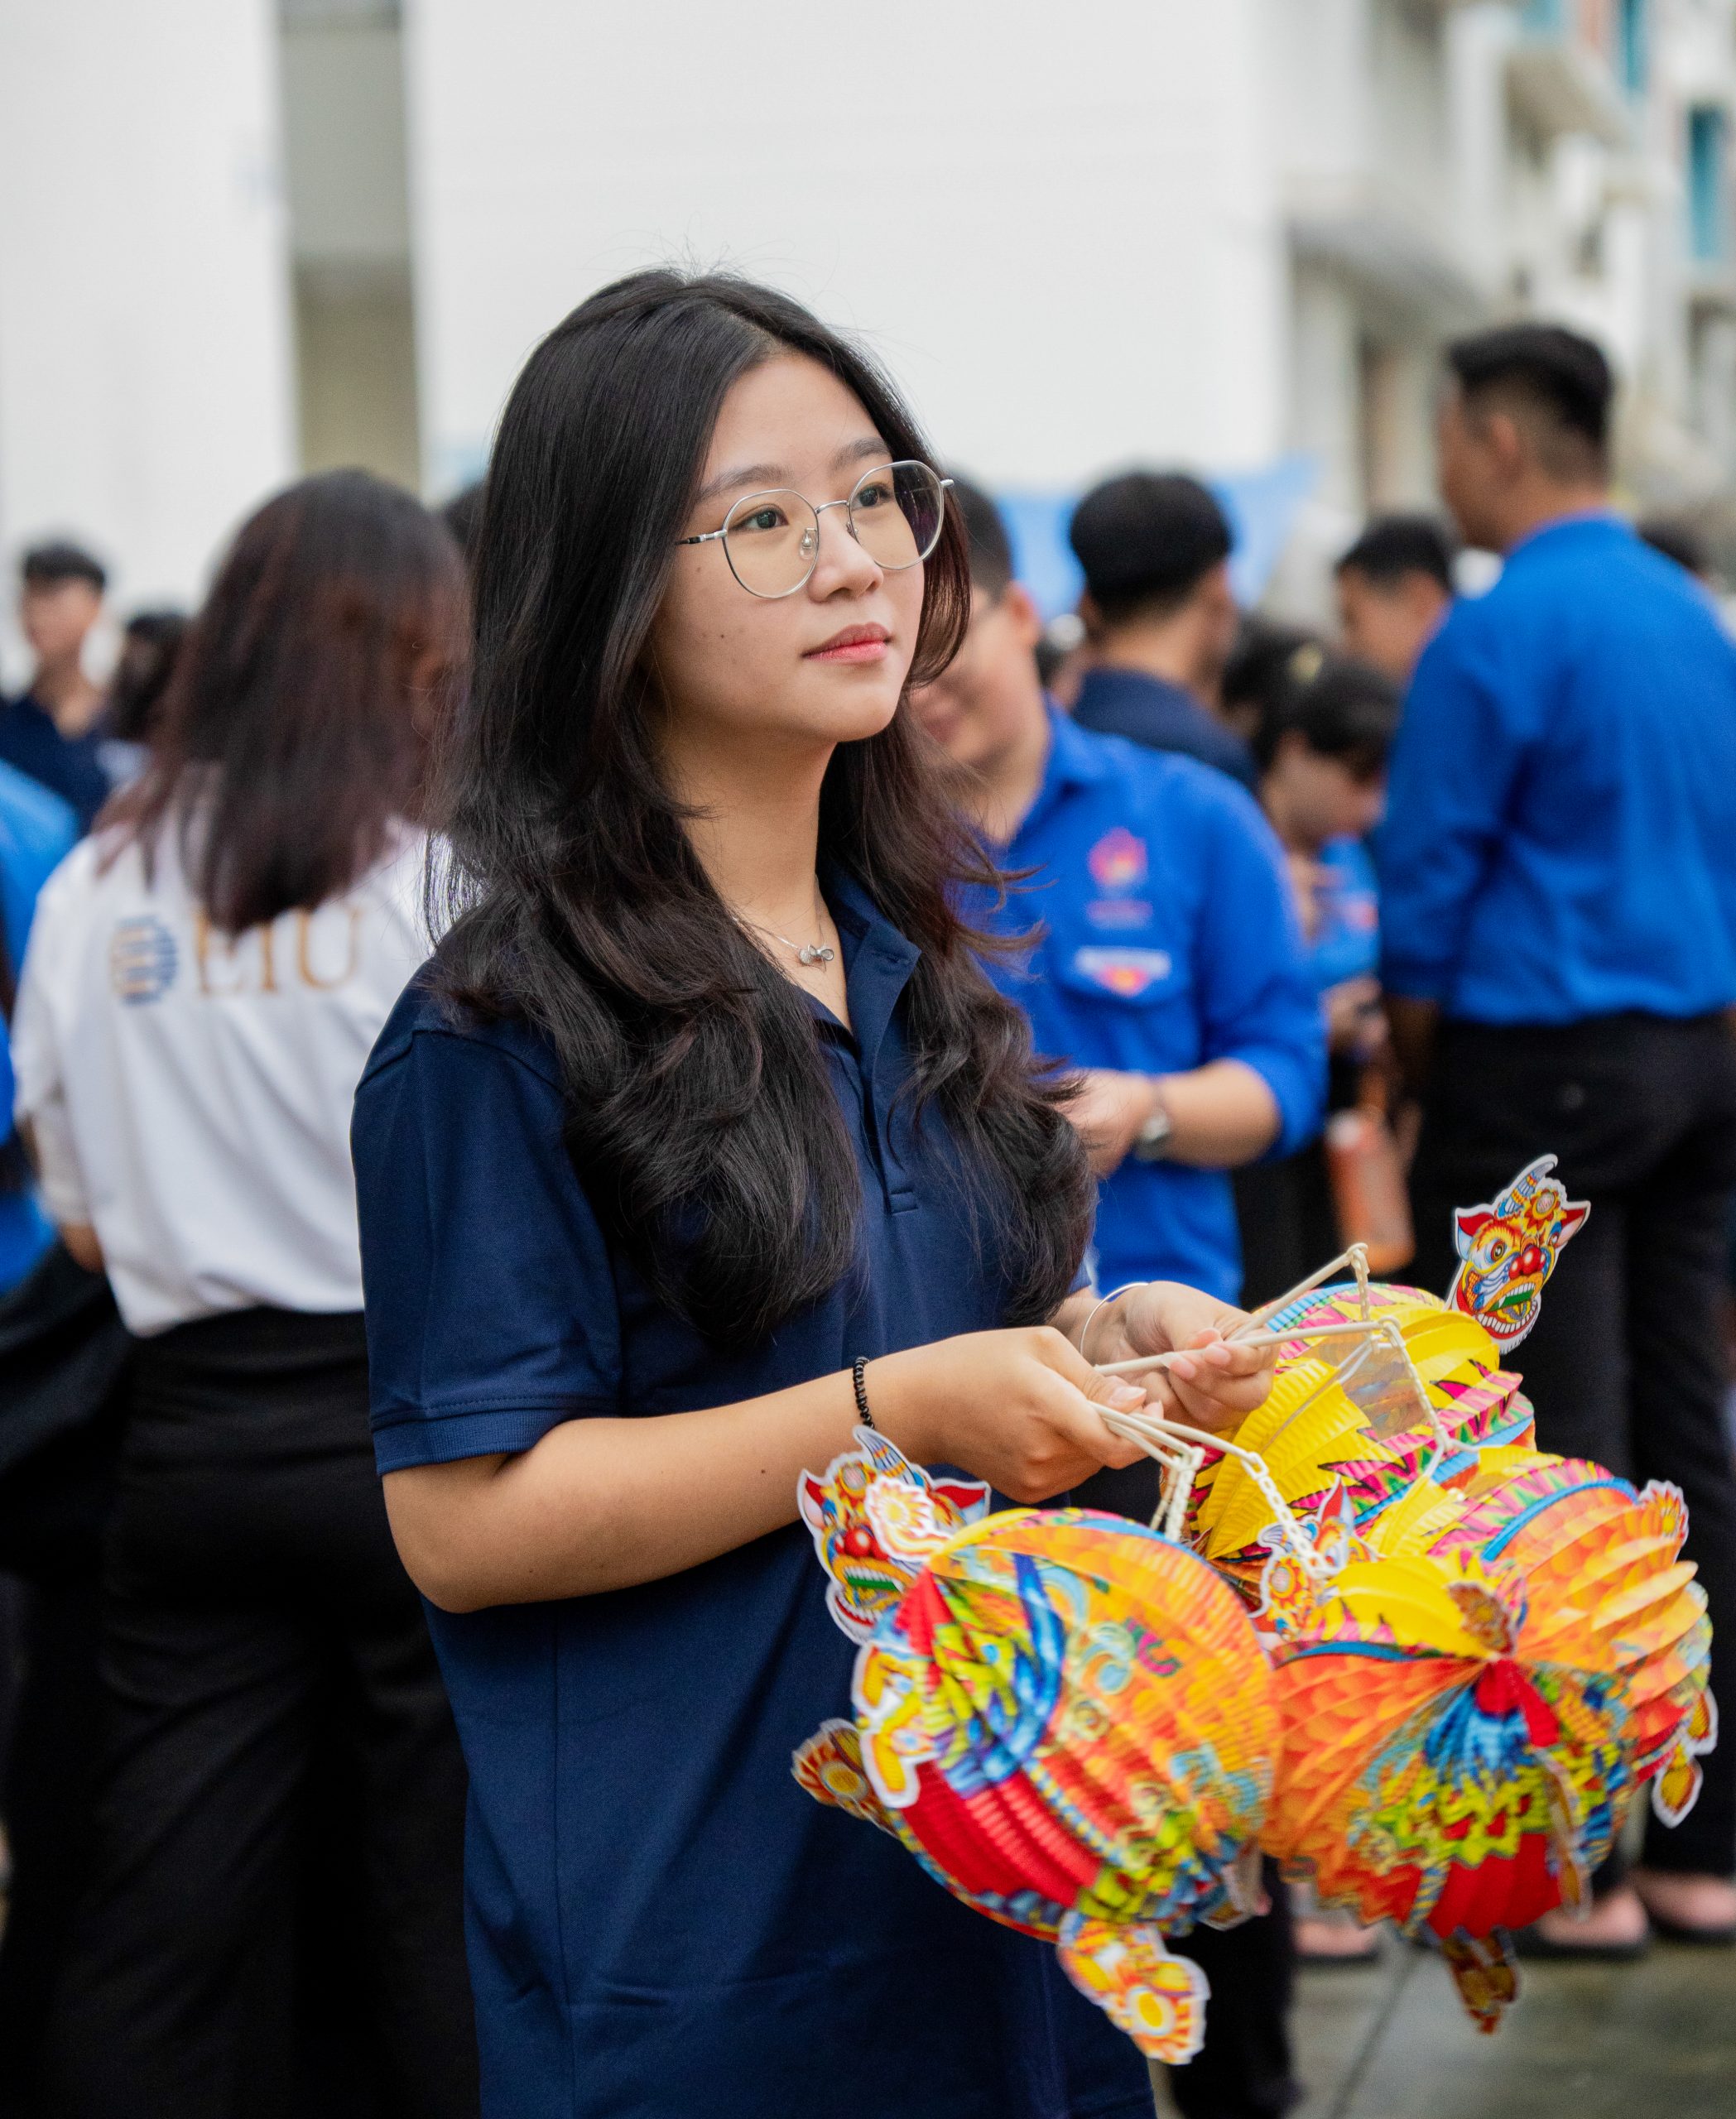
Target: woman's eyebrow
{"type": "Point", "coordinates": [854, 452]}
{"type": "Point", "coordinates": [746, 475]}
{"type": "Point", "coordinates": [752, 475]}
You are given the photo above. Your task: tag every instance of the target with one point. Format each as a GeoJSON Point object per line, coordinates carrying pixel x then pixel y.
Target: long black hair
{"type": "Point", "coordinates": [294, 731]}
{"type": "Point", "coordinates": [700, 1120]}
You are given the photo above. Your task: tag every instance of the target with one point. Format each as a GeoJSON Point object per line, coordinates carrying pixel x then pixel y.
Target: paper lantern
{"type": "Point", "coordinates": [1454, 1755]}
{"type": "Point", "coordinates": [1616, 1554]}
{"type": "Point", "coordinates": [1064, 1717]}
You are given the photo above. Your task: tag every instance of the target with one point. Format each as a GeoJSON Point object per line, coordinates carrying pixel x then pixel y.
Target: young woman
{"type": "Point", "coordinates": [704, 1101]}
{"type": "Point", "coordinates": [204, 980]}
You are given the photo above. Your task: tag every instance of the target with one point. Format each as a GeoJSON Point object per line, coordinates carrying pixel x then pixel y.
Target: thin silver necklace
{"type": "Point", "coordinates": [806, 953]}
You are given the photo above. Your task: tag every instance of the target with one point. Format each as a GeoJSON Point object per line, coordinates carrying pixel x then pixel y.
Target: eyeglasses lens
{"type": "Point", "coordinates": [772, 541]}
{"type": "Point", "coordinates": [896, 514]}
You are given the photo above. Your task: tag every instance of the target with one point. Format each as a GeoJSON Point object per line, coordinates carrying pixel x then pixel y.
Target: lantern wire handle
{"type": "Point", "coordinates": [1181, 1451]}
{"type": "Point", "coordinates": [1356, 1258]}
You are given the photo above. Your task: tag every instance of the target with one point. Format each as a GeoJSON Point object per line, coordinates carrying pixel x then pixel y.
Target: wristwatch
{"type": "Point", "coordinates": [1152, 1142]}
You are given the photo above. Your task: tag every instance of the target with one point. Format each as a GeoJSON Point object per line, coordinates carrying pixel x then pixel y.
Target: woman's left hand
{"type": "Point", "coordinates": [1216, 1385]}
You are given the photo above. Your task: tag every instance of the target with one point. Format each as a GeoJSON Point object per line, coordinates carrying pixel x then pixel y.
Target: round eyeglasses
{"type": "Point", "coordinates": [772, 540]}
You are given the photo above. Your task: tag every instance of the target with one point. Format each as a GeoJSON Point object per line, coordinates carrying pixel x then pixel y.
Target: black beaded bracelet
{"type": "Point", "coordinates": [858, 1371]}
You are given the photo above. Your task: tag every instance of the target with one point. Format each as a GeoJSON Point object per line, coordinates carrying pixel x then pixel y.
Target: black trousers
{"type": "Point", "coordinates": [275, 1727]}
{"type": "Point", "coordinates": [52, 1511]}
{"type": "Point", "coordinates": [1244, 2069]}
{"type": "Point", "coordinates": [1625, 1364]}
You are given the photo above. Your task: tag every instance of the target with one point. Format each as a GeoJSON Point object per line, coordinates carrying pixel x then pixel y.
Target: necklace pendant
{"type": "Point", "coordinates": [814, 953]}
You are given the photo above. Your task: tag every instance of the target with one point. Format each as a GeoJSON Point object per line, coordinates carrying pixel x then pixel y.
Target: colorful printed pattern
{"type": "Point", "coordinates": [872, 1525]}
{"type": "Point", "coordinates": [1566, 1522]}
{"type": "Point", "coordinates": [1454, 1755]}
{"type": "Point", "coordinates": [1510, 1246]}
{"type": "Point", "coordinates": [1066, 1718]}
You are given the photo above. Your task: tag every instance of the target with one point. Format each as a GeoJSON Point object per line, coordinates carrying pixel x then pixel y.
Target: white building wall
{"type": "Point", "coordinates": [144, 386]}
{"type": "Point", "coordinates": [1057, 227]}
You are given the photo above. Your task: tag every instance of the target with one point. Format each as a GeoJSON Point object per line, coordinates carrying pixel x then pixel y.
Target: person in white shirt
{"type": "Point", "coordinates": [204, 983]}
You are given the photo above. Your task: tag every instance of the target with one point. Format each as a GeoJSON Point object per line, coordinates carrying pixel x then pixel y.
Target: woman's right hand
{"type": "Point", "coordinates": [1018, 1408]}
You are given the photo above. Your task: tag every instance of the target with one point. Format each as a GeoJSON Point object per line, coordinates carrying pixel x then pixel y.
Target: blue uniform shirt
{"type": "Point", "coordinates": [1170, 938]}
{"type": "Point", "coordinates": [37, 833]}
{"type": "Point", "coordinates": [1346, 940]}
{"type": "Point", "coordinates": [1163, 716]}
{"type": "Point", "coordinates": [1561, 833]}
{"type": "Point", "coordinates": [660, 1923]}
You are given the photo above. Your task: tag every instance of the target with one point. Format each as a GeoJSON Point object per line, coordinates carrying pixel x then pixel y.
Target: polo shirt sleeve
{"type": "Point", "coordinates": [490, 1295]}
{"type": "Point", "coordinates": [1460, 749]}
{"type": "Point", "coordinates": [1258, 1001]}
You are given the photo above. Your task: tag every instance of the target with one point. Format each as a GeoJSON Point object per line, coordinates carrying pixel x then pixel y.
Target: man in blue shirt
{"type": "Point", "coordinates": [49, 730]}
{"type": "Point", "coordinates": [1558, 895]}
{"type": "Point", "coordinates": [1170, 968]}
{"type": "Point", "coordinates": [1159, 615]}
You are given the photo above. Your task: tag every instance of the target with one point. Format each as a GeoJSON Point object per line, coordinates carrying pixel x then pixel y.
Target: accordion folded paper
{"type": "Point", "coordinates": [1064, 1716]}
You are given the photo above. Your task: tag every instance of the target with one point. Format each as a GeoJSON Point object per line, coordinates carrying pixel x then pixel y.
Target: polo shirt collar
{"type": "Point", "coordinates": [1593, 519]}
{"type": "Point", "coordinates": [1076, 760]}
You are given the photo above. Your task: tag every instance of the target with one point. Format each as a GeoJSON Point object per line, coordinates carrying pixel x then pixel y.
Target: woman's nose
{"type": "Point", "coordinates": [841, 556]}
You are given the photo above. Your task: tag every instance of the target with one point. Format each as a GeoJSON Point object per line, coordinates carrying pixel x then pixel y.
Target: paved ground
{"type": "Point", "coordinates": [1652, 2041]}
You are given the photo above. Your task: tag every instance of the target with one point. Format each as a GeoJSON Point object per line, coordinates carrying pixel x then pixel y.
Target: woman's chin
{"type": "Point", "coordinates": [851, 713]}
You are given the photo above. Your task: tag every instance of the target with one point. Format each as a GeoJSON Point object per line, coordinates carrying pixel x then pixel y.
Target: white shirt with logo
{"type": "Point", "coordinates": [188, 1091]}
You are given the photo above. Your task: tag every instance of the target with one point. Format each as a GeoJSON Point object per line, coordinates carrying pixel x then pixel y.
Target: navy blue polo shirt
{"type": "Point", "coordinates": [1163, 716]}
{"type": "Point", "coordinates": [660, 1922]}
{"type": "Point", "coordinates": [1560, 840]}
{"type": "Point", "coordinates": [68, 766]}
{"type": "Point", "coordinates": [1168, 938]}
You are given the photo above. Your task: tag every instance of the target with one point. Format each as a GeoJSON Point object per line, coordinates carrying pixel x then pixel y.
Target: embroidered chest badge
{"type": "Point", "coordinates": [1129, 972]}
{"type": "Point", "coordinates": [1118, 864]}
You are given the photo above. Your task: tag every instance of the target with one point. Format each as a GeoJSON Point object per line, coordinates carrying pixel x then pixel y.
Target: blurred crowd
{"type": "Point", "coordinates": [1339, 928]}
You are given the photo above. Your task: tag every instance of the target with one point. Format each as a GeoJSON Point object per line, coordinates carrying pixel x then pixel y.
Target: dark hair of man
{"type": "Point", "coordinates": [1392, 546]}
{"type": "Point", "coordinates": [152, 640]}
{"type": "Point", "coordinates": [700, 1119]}
{"type": "Point", "coordinates": [293, 736]}
{"type": "Point", "coordinates": [1147, 541]}
{"type": "Point", "coordinates": [1684, 542]}
{"type": "Point", "coordinates": [47, 566]}
{"type": "Point", "coordinates": [1256, 678]}
{"type": "Point", "coordinates": [985, 533]}
{"type": "Point", "coordinates": [1555, 381]}
{"type": "Point", "coordinates": [1340, 708]}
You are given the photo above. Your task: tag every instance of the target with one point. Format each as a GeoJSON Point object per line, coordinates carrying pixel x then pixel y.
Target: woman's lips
{"type": "Point", "coordinates": [860, 644]}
